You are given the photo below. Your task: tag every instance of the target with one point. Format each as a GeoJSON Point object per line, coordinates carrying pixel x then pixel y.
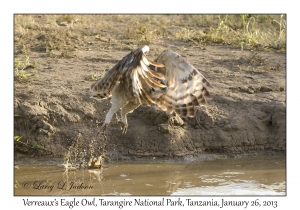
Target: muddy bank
{"type": "Point", "coordinates": [246, 112]}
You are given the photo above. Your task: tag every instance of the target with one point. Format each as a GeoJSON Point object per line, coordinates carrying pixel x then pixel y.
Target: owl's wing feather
{"type": "Point", "coordinates": [134, 74]}
{"type": "Point", "coordinates": [187, 87]}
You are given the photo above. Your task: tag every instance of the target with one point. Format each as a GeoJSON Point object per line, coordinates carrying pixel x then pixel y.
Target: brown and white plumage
{"type": "Point", "coordinates": [133, 74]}
{"type": "Point", "coordinates": [169, 81]}
{"type": "Point", "coordinates": [186, 85]}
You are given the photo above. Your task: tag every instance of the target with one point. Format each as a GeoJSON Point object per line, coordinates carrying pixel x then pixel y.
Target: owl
{"type": "Point", "coordinates": [169, 81]}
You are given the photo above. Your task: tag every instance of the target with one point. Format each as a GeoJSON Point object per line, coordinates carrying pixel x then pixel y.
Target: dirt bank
{"type": "Point", "coordinates": [247, 110]}
{"type": "Point", "coordinates": [54, 114]}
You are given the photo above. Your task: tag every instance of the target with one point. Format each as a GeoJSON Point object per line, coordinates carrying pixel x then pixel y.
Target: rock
{"type": "Point", "coordinates": [164, 128]}
{"type": "Point", "coordinates": [230, 127]}
{"type": "Point", "coordinates": [265, 89]}
{"type": "Point", "coordinates": [32, 110]}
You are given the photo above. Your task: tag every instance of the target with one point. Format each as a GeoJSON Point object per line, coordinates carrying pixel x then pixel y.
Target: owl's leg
{"type": "Point", "coordinates": [128, 108]}
{"type": "Point", "coordinates": [117, 103]}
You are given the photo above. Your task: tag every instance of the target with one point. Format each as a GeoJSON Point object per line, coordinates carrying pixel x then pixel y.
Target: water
{"type": "Point", "coordinates": [229, 176]}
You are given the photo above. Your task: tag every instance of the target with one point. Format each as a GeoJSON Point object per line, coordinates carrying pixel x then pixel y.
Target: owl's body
{"type": "Point", "coordinates": [170, 82]}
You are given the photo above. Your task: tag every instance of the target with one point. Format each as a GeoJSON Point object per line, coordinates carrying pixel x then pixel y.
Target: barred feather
{"type": "Point", "coordinates": [134, 74]}
{"type": "Point", "coordinates": [187, 86]}
{"type": "Point", "coordinates": [174, 85]}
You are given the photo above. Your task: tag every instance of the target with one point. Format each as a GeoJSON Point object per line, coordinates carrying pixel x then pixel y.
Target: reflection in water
{"type": "Point", "coordinates": [239, 188]}
{"type": "Point", "coordinates": [242, 176]}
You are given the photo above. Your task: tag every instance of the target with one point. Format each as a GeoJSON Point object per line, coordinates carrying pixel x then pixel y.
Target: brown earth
{"type": "Point", "coordinates": [246, 112]}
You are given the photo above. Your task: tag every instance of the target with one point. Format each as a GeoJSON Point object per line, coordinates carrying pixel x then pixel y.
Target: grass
{"type": "Point", "coordinates": [17, 138]}
{"type": "Point", "coordinates": [60, 36]}
{"type": "Point", "coordinates": [95, 76]}
{"type": "Point", "coordinates": [35, 146]}
{"type": "Point", "coordinates": [16, 184]}
{"type": "Point", "coordinates": [21, 64]}
{"type": "Point", "coordinates": [63, 34]}
{"type": "Point", "coordinates": [265, 31]}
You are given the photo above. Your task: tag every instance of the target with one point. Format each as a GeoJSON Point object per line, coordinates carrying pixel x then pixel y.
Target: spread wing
{"type": "Point", "coordinates": [187, 87]}
{"type": "Point", "coordinates": [134, 74]}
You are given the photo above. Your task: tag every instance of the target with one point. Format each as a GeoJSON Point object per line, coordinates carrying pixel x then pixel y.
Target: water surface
{"type": "Point", "coordinates": [228, 176]}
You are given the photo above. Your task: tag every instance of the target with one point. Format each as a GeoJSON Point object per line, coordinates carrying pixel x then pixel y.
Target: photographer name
{"type": "Point", "coordinates": [61, 185]}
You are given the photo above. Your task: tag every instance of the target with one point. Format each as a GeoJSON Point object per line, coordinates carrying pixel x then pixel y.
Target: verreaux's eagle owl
{"type": "Point", "coordinates": [169, 81]}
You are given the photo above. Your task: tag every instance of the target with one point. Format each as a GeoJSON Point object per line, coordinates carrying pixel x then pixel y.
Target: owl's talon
{"type": "Point", "coordinates": [124, 129]}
